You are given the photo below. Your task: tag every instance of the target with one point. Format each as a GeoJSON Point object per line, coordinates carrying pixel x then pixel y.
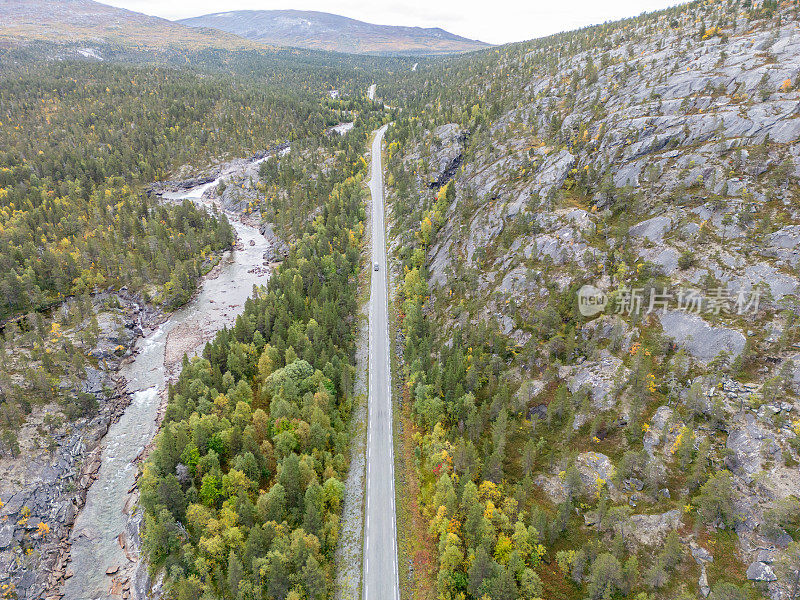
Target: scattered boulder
{"type": "Point", "coordinates": [633, 483]}
{"type": "Point", "coordinates": [652, 529]}
{"type": "Point", "coordinates": [700, 554]}
{"type": "Point", "coordinates": [760, 571]}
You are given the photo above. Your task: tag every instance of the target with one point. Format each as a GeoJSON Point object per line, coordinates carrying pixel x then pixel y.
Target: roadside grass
{"type": "Point", "coordinates": [417, 548]}
{"type": "Point", "coordinates": [417, 553]}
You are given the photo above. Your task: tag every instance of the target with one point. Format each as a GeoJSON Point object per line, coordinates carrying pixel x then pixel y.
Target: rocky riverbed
{"type": "Point", "coordinates": [69, 524]}
{"type": "Point", "coordinates": [45, 486]}
{"type": "Point", "coordinates": [105, 543]}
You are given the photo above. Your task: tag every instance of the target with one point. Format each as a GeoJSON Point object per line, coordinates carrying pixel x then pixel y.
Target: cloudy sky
{"type": "Point", "coordinates": [493, 21]}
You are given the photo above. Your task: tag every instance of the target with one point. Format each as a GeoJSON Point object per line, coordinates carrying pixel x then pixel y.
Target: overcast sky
{"type": "Point", "coordinates": [493, 21]}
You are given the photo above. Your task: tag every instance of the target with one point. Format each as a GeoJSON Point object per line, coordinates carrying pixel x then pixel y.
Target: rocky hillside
{"type": "Point", "coordinates": [657, 161]}
{"type": "Point", "coordinates": [324, 31]}
{"type": "Point", "coordinates": [64, 21]}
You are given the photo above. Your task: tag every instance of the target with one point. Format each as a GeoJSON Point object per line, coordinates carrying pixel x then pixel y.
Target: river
{"type": "Point", "coordinates": [97, 547]}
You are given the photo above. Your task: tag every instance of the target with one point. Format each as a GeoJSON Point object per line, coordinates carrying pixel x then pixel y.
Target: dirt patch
{"type": "Point", "coordinates": [183, 339]}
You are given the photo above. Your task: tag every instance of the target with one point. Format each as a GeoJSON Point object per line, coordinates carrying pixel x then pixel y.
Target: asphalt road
{"type": "Point", "coordinates": [380, 530]}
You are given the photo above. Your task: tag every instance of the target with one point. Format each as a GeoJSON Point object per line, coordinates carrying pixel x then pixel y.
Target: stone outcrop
{"type": "Point", "coordinates": [49, 487]}
{"type": "Point", "coordinates": [700, 339]}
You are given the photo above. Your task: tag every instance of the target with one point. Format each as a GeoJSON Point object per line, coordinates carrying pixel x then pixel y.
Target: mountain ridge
{"type": "Point", "coordinates": [326, 31]}
{"type": "Point", "coordinates": [66, 21]}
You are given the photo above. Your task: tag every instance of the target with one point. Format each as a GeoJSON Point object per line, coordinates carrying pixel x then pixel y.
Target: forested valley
{"type": "Point", "coordinates": [648, 449]}
{"type": "Point", "coordinates": [88, 244]}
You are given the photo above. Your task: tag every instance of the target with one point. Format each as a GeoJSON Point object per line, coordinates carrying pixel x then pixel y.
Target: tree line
{"type": "Point", "coordinates": [244, 489]}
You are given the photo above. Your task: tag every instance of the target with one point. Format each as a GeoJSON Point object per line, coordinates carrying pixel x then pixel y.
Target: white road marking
{"type": "Point", "coordinates": [382, 582]}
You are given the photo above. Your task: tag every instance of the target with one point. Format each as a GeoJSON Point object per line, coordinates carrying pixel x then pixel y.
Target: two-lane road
{"type": "Point", "coordinates": [380, 533]}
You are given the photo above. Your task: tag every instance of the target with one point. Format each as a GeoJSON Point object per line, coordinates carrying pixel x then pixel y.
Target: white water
{"type": "Point", "coordinates": [95, 546]}
{"type": "Point", "coordinates": [343, 128]}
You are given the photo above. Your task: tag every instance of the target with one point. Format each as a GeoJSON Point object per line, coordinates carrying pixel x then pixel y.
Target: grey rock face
{"type": "Point", "coordinates": [629, 174]}
{"type": "Point", "coordinates": [440, 263]}
{"type": "Point", "coordinates": [652, 436]}
{"type": "Point", "coordinates": [598, 377]}
{"type": "Point", "coordinates": [779, 284]}
{"type": "Point", "coordinates": [795, 369]}
{"type": "Point", "coordinates": [785, 244]}
{"type": "Point", "coordinates": [785, 131]}
{"type": "Point", "coordinates": [746, 444]}
{"type": "Point", "coordinates": [51, 484]}
{"type": "Point", "coordinates": [593, 466]}
{"type": "Point", "coordinates": [665, 257]}
{"type": "Point", "coordinates": [448, 139]}
{"type": "Point", "coordinates": [554, 171]}
{"type": "Point", "coordinates": [787, 237]}
{"type": "Point", "coordinates": [6, 535]}
{"type": "Point", "coordinates": [700, 339]}
{"type": "Point", "coordinates": [562, 247]}
{"type": "Point", "coordinates": [652, 229]}
{"type": "Point", "coordinates": [652, 529]}
{"type": "Point", "coordinates": [683, 133]}
{"type": "Point", "coordinates": [759, 571]}
{"type": "Point", "coordinates": [278, 249]}
{"type": "Point", "coordinates": [702, 583]}
{"type": "Point", "coordinates": [765, 556]}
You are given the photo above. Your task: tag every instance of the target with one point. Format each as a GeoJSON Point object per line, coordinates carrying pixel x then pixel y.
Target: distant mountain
{"type": "Point", "coordinates": [67, 21]}
{"type": "Point", "coordinates": [324, 31]}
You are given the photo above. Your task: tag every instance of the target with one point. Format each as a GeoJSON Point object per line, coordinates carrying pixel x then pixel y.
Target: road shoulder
{"type": "Point", "coordinates": [349, 551]}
